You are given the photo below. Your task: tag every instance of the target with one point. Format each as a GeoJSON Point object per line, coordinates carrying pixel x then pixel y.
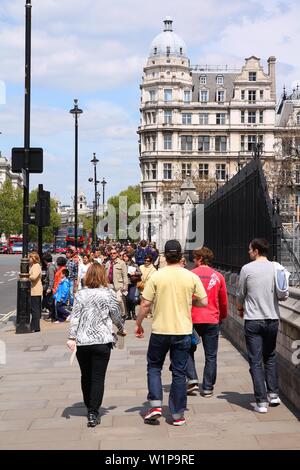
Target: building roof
{"type": "Point", "coordinates": [212, 86]}
{"type": "Point", "coordinates": [168, 43]}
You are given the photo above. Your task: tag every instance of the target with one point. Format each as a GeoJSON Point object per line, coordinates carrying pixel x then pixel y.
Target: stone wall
{"type": "Point", "coordinates": [288, 342]}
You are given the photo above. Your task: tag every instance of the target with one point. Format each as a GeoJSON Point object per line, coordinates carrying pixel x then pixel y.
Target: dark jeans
{"type": "Point", "coordinates": [261, 338]}
{"type": "Point", "coordinates": [36, 310]}
{"type": "Point", "coordinates": [93, 361]}
{"type": "Point", "coordinates": [130, 301]}
{"type": "Point", "coordinates": [61, 312]}
{"type": "Point", "coordinates": [179, 346]}
{"type": "Point", "coordinates": [210, 339]}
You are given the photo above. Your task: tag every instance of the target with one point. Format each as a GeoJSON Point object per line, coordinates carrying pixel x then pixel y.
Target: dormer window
{"type": "Point", "coordinates": [252, 76]}
{"type": "Point", "coordinates": [220, 80]}
{"type": "Point", "coordinates": [202, 79]}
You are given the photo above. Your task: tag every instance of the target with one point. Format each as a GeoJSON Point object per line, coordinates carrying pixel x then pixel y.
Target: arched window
{"type": "Point", "coordinates": [298, 119]}
{"type": "Point", "coordinates": [220, 80]}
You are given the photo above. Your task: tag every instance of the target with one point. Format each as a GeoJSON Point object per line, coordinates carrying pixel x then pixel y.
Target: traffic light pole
{"type": "Point", "coordinates": [23, 295]}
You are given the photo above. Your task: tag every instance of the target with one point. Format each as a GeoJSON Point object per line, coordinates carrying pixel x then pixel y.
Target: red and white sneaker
{"type": "Point", "coordinates": [179, 422]}
{"type": "Point", "coordinates": [153, 413]}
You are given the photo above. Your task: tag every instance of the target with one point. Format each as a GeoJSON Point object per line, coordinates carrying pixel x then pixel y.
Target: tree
{"type": "Point", "coordinates": [11, 209]}
{"type": "Point", "coordinates": [55, 220]}
{"type": "Point", "coordinates": [87, 222]}
{"type": "Point", "coordinates": [132, 193]}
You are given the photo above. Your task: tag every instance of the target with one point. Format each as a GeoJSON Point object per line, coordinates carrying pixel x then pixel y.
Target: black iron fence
{"type": "Point", "coordinates": [238, 212]}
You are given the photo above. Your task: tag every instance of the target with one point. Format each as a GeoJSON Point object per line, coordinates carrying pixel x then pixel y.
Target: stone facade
{"type": "Point", "coordinates": [7, 175]}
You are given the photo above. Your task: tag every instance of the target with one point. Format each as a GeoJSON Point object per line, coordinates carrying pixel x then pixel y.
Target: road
{"type": "Point", "coordinates": [9, 269]}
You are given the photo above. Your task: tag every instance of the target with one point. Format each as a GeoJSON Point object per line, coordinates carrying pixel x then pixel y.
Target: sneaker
{"type": "Point", "coordinates": [153, 414]}
{"type": "Point", "coordinates": [260, 408]}
{"type": "Point", "coordinates": [179, 422]}
{"type": "Point", "coordinates": [191, 388]}
{"type": "Point", "coordinates": [68, 318]}
{"type": "Point", "coordinates": [273, 400]}
{"type": "Point", "coordinates": [56, 321]}
{"type": "Point", "coordinates": [92, 420]}
{"type": "Point", "coordinates": [207, 393]}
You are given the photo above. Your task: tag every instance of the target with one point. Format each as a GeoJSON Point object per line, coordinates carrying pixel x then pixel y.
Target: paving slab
{"type": "Point", "coordinates": [41, 403]}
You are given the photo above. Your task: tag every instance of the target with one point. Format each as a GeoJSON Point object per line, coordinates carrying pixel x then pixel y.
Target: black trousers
{"type": "Point", "coordinates": [93, 361]}
{"type": "Point", "coordinates": [36, 309]}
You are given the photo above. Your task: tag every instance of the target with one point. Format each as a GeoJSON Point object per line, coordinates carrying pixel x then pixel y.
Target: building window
{"type": "Point", "coordinates": [186, 118]}
{"type": "Point", "coordinates": [252, 76]}
{"type": "Point", "coordinates": [242, 143]}
{"type": "Point", "coordinates": [221, 143]}
{"type": "Point", "coordinates": [251, 143]}
{"type": "Point", "coordinates": [242, 117]}
{"type": "Point", "coordinates": [251, 117]}
{"type": "Point", "coordinates": [186, 143]}
{"type": "Point", "coordinates": [221, 171]}
{"type": "Point", "coordinates": [204, 96]}
{"type": "Point", "coordinates": [252, 96]}
{"type": "Point", "coordinates": [153, 143]}
{"type": "Point", "coordinates": [147, 171]}
{"type": "Point", "coordinates": [220, 80]}
{"type": "Point", "coordinates": [153, 118]}
{"type": "Point", "coordinates": [80, 206]}
{"type": "Point", "coordinates": [297, 175]}
{"type": "Point", "coordinates": [298, 119]}
{"type": "Point", "coordinates": [155, 50]}
{"type": "Point", "coordinates": [153, 171]}
{"type": "Point", "coordinates": [242, 94]}
{"type": "Point", "coordinates": [150, 201]}
{"type": "Point", "coordinates": [181, 51]}
{"type": "Point", "coordinates": [203, 171]}
{"type": "Point", "coordinates": [167, 171]}
{"type": "Point", "coordinates": [167, 141]}
{"type": "Point", "coordinates": [152, 95]}
{"type": "Point", "coordinates": [203, 118]}
{"type": "Point", "coordinates": [220, 118]}
{"type": "Point", "coordinates": [261, 94]}
{"type": "Point", "coordinates": [203, 143]}
{"type": "Point", "coordinates": [202, 79]}
{"type": "Point", "coordinates": [187, 96]}
{"type": "Point", "coordinates": [168, 50]}
{"type": "Point", "coordinates": [220, 96]}
{"type": "Point", "coordinates": [168, 116]}
{"type": "Point", "coordinates": [168, 95]}
{"type": "Point", "coordinates": [167, 196]}
{"type": "Point", "coordinates": [261, 117]}
{"type": "Point", "coordinates": [186, 170]}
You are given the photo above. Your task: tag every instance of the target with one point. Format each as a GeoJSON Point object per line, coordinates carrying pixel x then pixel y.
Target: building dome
{"type": "Point", "coordinates": [168, 43]}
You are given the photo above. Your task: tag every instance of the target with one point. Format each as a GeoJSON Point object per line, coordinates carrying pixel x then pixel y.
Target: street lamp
{"type": "Point", "coordinates": [103, 182]}
{"type": "Point", "coordinates": [76, 112]}
{"type": "Point", "coordinates": [94, 161]}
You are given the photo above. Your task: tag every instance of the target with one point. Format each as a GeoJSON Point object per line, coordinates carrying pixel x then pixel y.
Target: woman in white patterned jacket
{"type": "Point", "coordinates": [95, 310]}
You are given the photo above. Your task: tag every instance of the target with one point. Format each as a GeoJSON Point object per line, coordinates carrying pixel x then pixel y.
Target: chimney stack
{"type": "Point", "coordinates": [271, 73]}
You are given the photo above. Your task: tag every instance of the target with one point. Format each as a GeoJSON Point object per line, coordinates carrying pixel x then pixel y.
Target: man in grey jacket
{"type": "Point", "coordinates": [257, 303]}
{"type": "Point", "coordinates": [116, 271]}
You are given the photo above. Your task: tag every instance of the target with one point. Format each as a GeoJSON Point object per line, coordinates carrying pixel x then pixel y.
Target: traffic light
{"type": "Point", "coordinates": [42, 208]}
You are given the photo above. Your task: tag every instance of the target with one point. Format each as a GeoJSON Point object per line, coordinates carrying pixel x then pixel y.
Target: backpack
{"type": "Point", "coordinates": [140, 256]}
{"type": "Point", "coordinates": [281, 281]}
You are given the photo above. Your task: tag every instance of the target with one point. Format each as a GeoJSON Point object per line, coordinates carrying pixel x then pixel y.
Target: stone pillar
{"type": "Point", "coordinates": [271, 73]}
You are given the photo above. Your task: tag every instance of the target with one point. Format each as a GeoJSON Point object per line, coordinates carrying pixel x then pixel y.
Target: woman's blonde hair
{"type": "Point", "coordinates": [35, 257]}
{"type": "Point", "coordinates": [95, 276]}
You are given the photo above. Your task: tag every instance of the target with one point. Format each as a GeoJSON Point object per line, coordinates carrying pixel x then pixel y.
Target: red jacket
{"type": "Point", "coordinates": [215, 287]}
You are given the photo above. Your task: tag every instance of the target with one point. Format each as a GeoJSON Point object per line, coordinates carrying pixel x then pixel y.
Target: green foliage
{"type": "Point", "coordinates": [55, 220]}
{"type": "Point", "coordinates": [87, 222]}
{"type": "Point", "coordinates": [132, 193]}
{"type": "Point", "coordinates": [11, 209]}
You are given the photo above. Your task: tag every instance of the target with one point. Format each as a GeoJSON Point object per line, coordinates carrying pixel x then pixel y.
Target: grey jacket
{"type": "Point", "coordinates": [120, 276]}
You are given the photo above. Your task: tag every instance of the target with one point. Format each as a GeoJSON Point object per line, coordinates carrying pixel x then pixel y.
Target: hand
{"type": "Point", "coordinates": [122, 333]}
{"type": "Point", "coordinates": [71, 343]}
{"type": "Point", "coordinates": [139, 331]}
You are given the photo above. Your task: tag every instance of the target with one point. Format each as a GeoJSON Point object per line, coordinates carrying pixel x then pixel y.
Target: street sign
{"type": "Point", "coordinates": [35, 160]}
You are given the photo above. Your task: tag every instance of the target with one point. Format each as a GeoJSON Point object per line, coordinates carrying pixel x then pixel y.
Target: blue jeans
{"type": "Point", "coordinates": [210, 338]}
{"type": "Point", "coordinates": [261, 338]}
{"type": "Point", "coordinates": [179, 346]}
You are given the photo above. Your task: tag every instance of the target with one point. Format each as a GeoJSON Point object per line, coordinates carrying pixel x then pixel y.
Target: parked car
{"type": "Point", "coordinates": [15, 248]}
{"type": "Point", "coordinates": [3, 248]}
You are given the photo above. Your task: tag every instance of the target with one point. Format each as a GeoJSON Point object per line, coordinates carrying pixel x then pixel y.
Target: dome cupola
{"type": "Point", "coordinates": [168, 43]}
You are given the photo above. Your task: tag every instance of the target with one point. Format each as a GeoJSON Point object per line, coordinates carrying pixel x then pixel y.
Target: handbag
{"type": "Point", "coordinates": [140, 285]}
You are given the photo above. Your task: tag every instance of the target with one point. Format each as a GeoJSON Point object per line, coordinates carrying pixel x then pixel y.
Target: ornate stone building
{"type": "Point", "coordinates": [199, 124]}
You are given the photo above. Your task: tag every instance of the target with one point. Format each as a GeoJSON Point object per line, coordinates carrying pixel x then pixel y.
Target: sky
{"type": "Point", "coordinates": [95, 51]}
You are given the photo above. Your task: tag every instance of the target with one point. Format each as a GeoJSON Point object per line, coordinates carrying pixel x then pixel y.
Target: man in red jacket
{"type": "Point", "coordinates": [206, 322]}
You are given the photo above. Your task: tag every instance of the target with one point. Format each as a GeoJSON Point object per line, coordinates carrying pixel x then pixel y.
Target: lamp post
{"type": "Point", "coordinates": [76, 112]}
{"type": "Point", "coordinates": [103, 182]}
{"type": "Point", "coordinates": [94, 161]}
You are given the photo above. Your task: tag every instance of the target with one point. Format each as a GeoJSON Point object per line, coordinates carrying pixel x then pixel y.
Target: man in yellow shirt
{"type": "Point", "coordinates": [172, 290]}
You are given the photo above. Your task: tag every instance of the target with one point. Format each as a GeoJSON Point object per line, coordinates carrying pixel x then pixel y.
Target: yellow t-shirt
{"type": "Point", "coordinates": [171, 289]}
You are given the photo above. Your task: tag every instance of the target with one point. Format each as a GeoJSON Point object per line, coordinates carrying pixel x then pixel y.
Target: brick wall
{"type": "Point", "coordinates": [289, 333]}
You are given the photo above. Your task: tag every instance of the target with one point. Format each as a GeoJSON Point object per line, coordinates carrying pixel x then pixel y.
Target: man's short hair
{"type": "Point", "coordinates": [205, 254]}
{"type": "Point", "coordinates": [65, 272]}
{"type": "Point", "coordinates": [61, 261]}
{"type": "Point", "coordinates": [143, 243]}
{"type": "Point", "coordinates": [47, 258]}
{"type": "Point", "coordinates": [261, 245]}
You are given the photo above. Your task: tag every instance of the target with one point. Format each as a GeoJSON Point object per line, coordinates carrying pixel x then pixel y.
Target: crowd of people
{"type": "Point", "coordinates": [187, 307]}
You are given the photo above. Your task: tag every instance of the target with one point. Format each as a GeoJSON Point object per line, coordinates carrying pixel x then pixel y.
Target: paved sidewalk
{"type": "Point", "coordinates": [41, 404]}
